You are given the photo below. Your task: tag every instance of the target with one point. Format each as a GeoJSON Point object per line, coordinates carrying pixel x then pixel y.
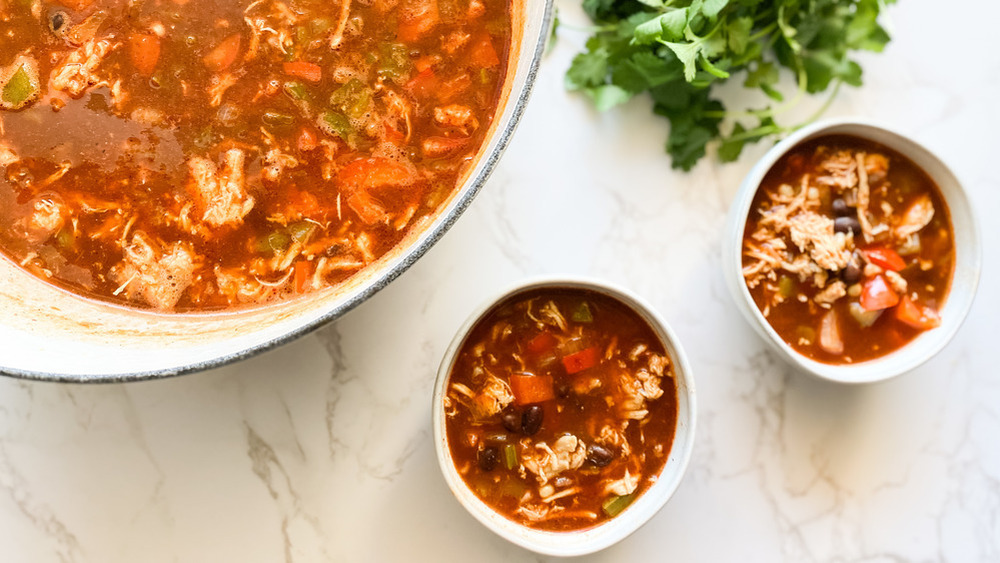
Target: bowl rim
{"type": "Point", "coordinates": [909, 356]}
{"type": "Point", "coordinates": [434, 232]}
{"type": "Point", "coordinates": [594, 539]}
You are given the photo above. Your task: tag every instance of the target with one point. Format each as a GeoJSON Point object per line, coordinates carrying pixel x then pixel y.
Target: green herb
{"type": "Point", "coordinates": [677, 50]}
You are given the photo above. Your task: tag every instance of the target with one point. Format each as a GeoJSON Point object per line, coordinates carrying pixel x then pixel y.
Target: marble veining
{"type": "Point", "coordinates": [321, 450]}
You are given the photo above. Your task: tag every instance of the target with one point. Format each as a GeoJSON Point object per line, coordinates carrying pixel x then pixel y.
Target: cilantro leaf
{"type": "Point", "coordinates": [679, 50]}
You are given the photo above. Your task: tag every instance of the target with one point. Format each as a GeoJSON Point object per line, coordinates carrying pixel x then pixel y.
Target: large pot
{"type": "Point", "coordinates": [47, 333]}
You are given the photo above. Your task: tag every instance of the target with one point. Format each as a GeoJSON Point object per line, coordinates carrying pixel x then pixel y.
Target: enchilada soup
{"type": "Point", "coordinates": [187, 156]}
{"type": "Point", "coordinates": [848, 251]}
{"type": "Point", "coordinates": [560, 408]}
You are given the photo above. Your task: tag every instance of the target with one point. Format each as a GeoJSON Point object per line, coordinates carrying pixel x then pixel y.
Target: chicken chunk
{"type": "Point", "coordinates": [7, 155]}
{"type": "Point", "coordinates": [493, 398]}
{"type": "Point", "coordinates": [916, 217]}
{"type": "Point", "coordinates": [624, 486]}
{"type": "Point", "coordinates": [831, 293]}
{"type": "Point", "coordinates": [77, 71]}
{"type": "Point", "coordinates": [637, 388]}
{"type": "Point", "coordinates": [568, 452]}
{"type": "Point", "coordinates": [47, 218]}
{"type": "Point", "coordinates": [221, 196]}
{"type": "Point", "coordinates": [458, 117]}
{"type": "Point", "coordinates": [157, 277]}
{"type": "Point", "coordinates": [814, 233]}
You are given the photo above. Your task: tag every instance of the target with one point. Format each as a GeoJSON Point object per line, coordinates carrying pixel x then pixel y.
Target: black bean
{"type": "Point", "coordinates": [57, 21]}
{"type": "Point", "coordinates": [840, 208]}
{"type": "Point", "coordinates": [847, 224]}
{"type": "Point", "coordinates": [599, 455]}
{"type": "Point", "coordinates": [511, 419]}
{"type": "Point", "coordinates": [531, 420]}
{"type": "Point", "coordinates": [488, 458]}
{"type": "Point", "coordinates": [851, 274]}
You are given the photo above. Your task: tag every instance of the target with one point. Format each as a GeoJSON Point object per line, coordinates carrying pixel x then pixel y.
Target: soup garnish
{"type": "Point", "coordinates": [848, 250]}
{"type": "Point", "coordinates": [188, 156]}
{"type": "Point", "coordinates": [560, 408]}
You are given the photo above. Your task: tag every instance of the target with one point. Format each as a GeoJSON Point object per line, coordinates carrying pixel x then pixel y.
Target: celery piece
{"type": "Point", "coordinates": [510, 456]}
{"type": "Point", "coordinates": [614, 505]}
{"type": "Point", "coordinates": [301, 230]}
{"type": "Point", "coordinates": [582, 313]}
{"type": "Point", "coordinates": [336, 125]}
{"type": "Point", "coordinates": [394, 62]}
{"type": "Point", "coordinates": [352, 98]}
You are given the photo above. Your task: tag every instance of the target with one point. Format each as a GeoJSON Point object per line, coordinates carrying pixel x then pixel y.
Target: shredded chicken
{"type": "Point", "coordinates": [624, 486]}
{"type": "Point", "coordinates": [458, 117]}
{"type": "Point", "coordinates": [77, 71]}
{"type": "Point", "coordinates": [813, 233]}
{"type": "Point", "coordinates": [221, 196]}
{"type": "Point", "coordinates": [155, 276]}
{"type": "Point", "coordinates": [7, 155]}
{"type": "Point", "coordinates": [637, 388]}
{"type": "Point", "coordinates": [492, 398]}
{"type": "Point", "coordinates": [917, 216]}
{"type": "Point", "coordinates": [831, 293]}
{"type": "Point", "coordinates": [567, 452]}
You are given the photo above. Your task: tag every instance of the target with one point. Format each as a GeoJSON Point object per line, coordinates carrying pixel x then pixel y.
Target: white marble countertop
{"type": "Point", "coordinates": [321, 450]}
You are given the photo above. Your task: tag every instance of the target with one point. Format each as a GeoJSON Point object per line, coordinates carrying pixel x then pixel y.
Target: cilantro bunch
{"type": "Point", "coordinates": [677, 50]}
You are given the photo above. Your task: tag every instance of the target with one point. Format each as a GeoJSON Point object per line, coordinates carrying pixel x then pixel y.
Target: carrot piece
{"type": "Point", "coordinates": [304, 70]}
{"type": "Point", "coordinates": [530, 389]}
{"type": "Point", "coordinates": [579, 361]}
{"type": "Point", "coordinates": [877, 295]}
{"type": "Point", "coordinates": [223, 55]}
{"type": "Point", "coordinates": [375, 172]}
{"type": "Point", "coordinates": [144, 51]}
{"type": "Point", "coordinates": [542, 343]}
{"type": "Point", "coordinates": [482, 53]}
{"type": "Point", "coordinates": [885, 258]}
{"type": "Point", "coordinates": [920, 318]}
{"type": "Point", "coordinates": [302, 271]}
{"type": "Point", "coordinates": [417, 17]}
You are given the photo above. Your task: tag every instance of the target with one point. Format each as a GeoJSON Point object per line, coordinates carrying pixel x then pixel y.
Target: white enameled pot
{"type": "Point", "coordinates": [47, 333]}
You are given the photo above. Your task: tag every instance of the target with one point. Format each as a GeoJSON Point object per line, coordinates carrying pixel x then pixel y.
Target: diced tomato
{"type": "Point", "coordinates": [424, 84]}
{"type": "Point", "coordinates": [482, 54]}
{"type": "Point", "coordinates": [375, 172]}
{"type": "Point", "coordinates": [885, 258]}
{"type": "Point", "coordinates": [416, 18]}
{"type": "Point", "coordinates": [144, 51]}
{"type": "Point", "coordinates": [304, 70]}
{"type": "Point", "coordinates": [450, 89]}
{"type": "Point", "coordinates": [302, 270]}
{"type": "Point", "coordinates": [224, 54]}
{"type": "Point", "coordinates": [877, 295]}
{"type": "Point", "coordinates": [307, 140]}
{"type": "Point", "coordinates": [542, 343]}
{"type": "Point", "coordinates": [437, 146]}
{"type": "Point", "coordinates": [921, 318]}
{"type": "Point", "coordinates": [425, 62]}
{"type": "Point", "coordinates": [391, 134]}
{"type": "Point", "coordinates": [368, 209]}
{"type": "Point", "coordinates": [77, 5]}
{"type": "Point", "coordinates": [579, 361]}
{"type": "Point", "coordinates": [530, 389]}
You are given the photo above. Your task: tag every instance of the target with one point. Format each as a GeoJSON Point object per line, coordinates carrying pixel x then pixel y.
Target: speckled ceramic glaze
{"type": "Point", "coordinates": [48, 333]}
{"type": "Point", "coordinates": [646, 505]}
{"type": "Point", "coordinates": [967, 256]}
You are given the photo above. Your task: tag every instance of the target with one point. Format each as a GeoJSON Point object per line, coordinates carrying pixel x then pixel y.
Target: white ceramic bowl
{"type": "Point", "coordinates": [967, 256]}
{"type": "Point", "coordinates": [48, 333]}
{"type": "Point", "coordinates": [642, 508]}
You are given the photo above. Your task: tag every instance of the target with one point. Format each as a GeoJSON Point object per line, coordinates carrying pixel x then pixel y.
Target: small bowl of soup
{"type": "Point", "coordinates": [853, 251]}
{"type": "Point", "coordinates": [564, 415]}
